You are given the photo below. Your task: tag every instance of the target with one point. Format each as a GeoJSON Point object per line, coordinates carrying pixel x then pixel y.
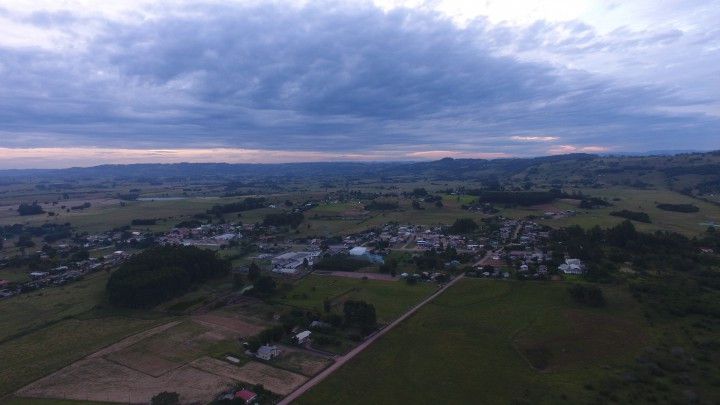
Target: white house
{"type": "Point", "coordinates": [267, 352]}
{"type": "Point", "coordinates": [572, 266]}
{"type": "Point", "coordinates": [303, 337]}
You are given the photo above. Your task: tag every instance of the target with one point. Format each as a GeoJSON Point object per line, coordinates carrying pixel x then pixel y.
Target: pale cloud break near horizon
{"type": "Point", "coordinates": [87, 82]}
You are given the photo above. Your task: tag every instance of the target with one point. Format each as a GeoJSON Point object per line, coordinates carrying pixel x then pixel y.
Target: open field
{"type": "Point", "coordinates": [31, 356]}
{"type": "Point", "coordinates": [26, 312]}
{"type": "Point", "coordinates": [177, 355]}
{"type": "Point", "coordinates": [389, 298]}
{"type": "Point", "coordinates": [105, 214]}
{"type": "Point", "coordinates": [640, 200]}
{"type": "Point", "coordinates": [467, 347]}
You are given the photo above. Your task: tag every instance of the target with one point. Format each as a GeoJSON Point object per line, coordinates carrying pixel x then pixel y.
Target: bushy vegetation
{"type": "Point", "coordinates": [144, 222]}
{"type": "Point", "coordinates": [30, 209]}
{"type": "Point", "coordinates": [162, 273]}
{"type": "Point", "coordinates": [463, 225]}
{"type": "Point", "coordinates": [249, 203]}
{"type": "Point", "coordinates": [291, 219]}
{"type": "Point", "coordinates": [678, 207]}
{"type": "Point", "coordinates": [638, 216]}
{"type": "Point", "coordinates": [360, 313]}
{"type": "Point", "coordinates": [593, 202]}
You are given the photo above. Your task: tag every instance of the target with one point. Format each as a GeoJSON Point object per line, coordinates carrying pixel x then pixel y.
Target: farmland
{"type": "Point", "coordinates": [481, 333]}
{"type": "Point", "coordinates": [391, 298]}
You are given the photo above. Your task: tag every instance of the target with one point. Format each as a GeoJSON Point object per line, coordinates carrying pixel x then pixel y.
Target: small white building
{"type": "Point", "coordinates": [572, 266]}
{"type": "Point", "coordinates": [303, 337]}
{"type": "Point", "coordinates": [267, 352]}
{"type": "Point", "coordinates": [359, 251]}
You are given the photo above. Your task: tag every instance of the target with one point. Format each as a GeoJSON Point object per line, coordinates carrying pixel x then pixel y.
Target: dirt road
{"type": "Point", "coordinates": [362, 346]}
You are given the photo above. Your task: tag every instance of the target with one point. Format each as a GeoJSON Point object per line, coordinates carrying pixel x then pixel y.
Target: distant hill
{"type": "Point", "coordinates": [689, 173]}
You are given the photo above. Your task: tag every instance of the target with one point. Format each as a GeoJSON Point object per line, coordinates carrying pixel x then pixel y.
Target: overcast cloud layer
{"type": "Point", "coordinates": [329, 80]}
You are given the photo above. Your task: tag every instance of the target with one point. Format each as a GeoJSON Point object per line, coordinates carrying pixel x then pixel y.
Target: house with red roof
{"type": "Point", "coordinates": [247, 396]}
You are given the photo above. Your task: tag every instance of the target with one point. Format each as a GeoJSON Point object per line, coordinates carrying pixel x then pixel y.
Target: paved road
{"type": "Point", "coordinates": [484, 259]}
{"type": "Point", "coordinates": [362, 346]}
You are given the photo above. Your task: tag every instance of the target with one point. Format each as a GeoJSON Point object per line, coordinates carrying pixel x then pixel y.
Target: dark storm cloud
{"type": "Point", "coordinates": [325, 77]}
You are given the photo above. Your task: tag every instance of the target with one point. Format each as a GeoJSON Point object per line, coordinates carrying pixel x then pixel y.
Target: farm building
{"type": "Point", "coordinates": [267, 352]}
{"type": "Point", "coordinates": [292, 262]}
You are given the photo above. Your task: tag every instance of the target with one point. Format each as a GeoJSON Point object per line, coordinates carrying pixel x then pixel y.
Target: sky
{"type": "Point", "coordinates": [88, 82]}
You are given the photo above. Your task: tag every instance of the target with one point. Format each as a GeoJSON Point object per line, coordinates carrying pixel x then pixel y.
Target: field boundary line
{"type": "Point", "coordinates": [341, 361]}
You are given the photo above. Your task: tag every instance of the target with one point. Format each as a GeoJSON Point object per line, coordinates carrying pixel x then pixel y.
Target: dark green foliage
{"type": "Point", "coordinates": [141, 222]}
{"type": "Point", "coordinates": [166, 398]}
{"type": "Point", "coordinates": [390, 266]}
{"type": "Point", "coordinates": [593, 202]}
{"type": "Point", "coordinates": [81, 206]}
{"type": "Point", "coordinates": [30, 209]}
{"type": "Point", "coordinates": [25, 241]}
{"type": "Point", "coordinates": [340, 262]}
{"type": "Point", "coordinates": [189, 224]}
{"type": "Point", "coordinates": [253, 272]}
{"type": "Point", "coordinates": [678, 207]}
{"type": "Point", "coordinates": [250, 203]}
{"type": "Point", "coordinates": [633, 215]}
{"type": "Point", "coordinates": [159, 274]}
{"type": "Point", "coordinates": [128, 196]}
{"type": "Point", "coordinates": [264, 285]}
{"type": "Point", "coordinates": [360, 313]}
{"type": "Point", "coordinates": [463, 225]}
{"type": "Point", "coordinates": [291, 219]}
{"type": "Point", "coordinates": [589, 295]}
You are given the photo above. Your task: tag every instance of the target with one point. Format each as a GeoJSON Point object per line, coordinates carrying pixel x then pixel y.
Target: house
{"type": "Point", "coordinates": [359, 251]}
{"type": "Point", "coordinates": [247, 396]}
{"type": "Point", "coordinates": [320, 325]}
{"type": "Point", "coordinates": [524, 268]}
{"type": "Point", "coordinates": [291, 262]}
{"type": "Point", "coordinates": [302, 337]}
{"type": "Point", "coordinates": [572, 266]}
{"type": "Point", "coordinates": [267, 352]}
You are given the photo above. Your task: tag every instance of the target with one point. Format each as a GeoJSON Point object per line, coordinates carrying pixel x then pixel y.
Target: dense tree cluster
{"type": "Point", "coordinates": [678, 207]}
{"type": "Point", "coordinates": [638, 216]}
{"type": "Point", "coordinates": [360, 313]}
{"type": "Point", "coordinates": [593, 202]}
{"type": "Point", "coordinates": [463, 225]}
{"type": "Point", "coordinates": [674, 276]}
{"type": "Point", "coordinates": [162, 273]}
{"type": "Point", "coordinates": [291, 219]}
{"type": "Point", "coordinates": [30, 209]}
{"type": "Point", "coordinates": [249, 203]}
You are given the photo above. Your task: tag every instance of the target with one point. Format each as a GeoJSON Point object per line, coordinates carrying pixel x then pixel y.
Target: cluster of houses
{"type": "Point", "coordinates": [206, 235]}
{"type": "Point", "coordinates": [61, 275]}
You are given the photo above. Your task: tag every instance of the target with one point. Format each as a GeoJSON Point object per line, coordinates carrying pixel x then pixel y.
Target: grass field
{"type": "Point", "coordinates": [470, 346]}
{"type": "Point", "coordinates": [48, 329]}
{"type": "Point", "coordinates": [646, 201]}
{"type": "Point", "coordinates": [390, 298]}
{"type": "Point", "coordinates": [34, 355]}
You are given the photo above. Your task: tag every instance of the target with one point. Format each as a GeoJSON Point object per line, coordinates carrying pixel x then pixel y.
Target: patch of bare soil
{"type": "Point", "coordinates": [274, 379]}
